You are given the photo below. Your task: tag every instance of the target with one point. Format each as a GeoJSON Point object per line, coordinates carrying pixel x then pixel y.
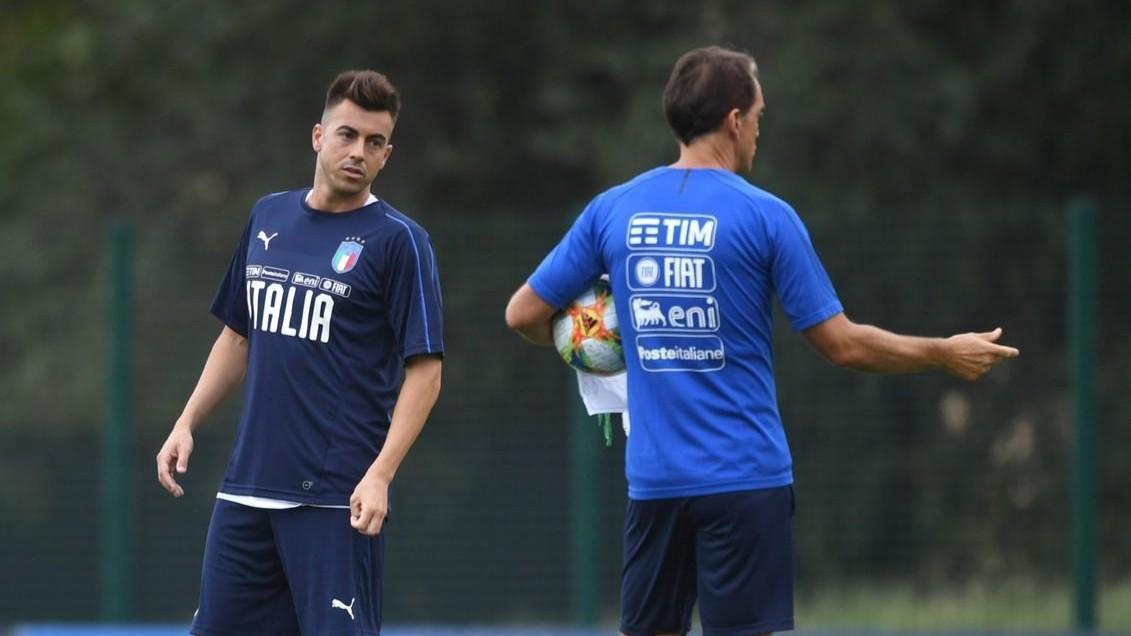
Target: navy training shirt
{"type": "Point", "coordinates": [332, 304]}
{"type": "Point", "coordinates": [695, 258]}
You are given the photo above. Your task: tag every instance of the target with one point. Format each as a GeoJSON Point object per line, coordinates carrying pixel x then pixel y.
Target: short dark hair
{"type": "Point", "coordinates": [369, 89]}
{"type": "Point", "coordinates": [704, 86]}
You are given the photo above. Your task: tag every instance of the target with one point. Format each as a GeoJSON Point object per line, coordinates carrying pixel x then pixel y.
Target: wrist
{"type": "Point", "coordinates": [185, 423]}
{"type": "Point", "coordinates": [938, 356]}
{"type": "Point", "coordinates": [380, 473]}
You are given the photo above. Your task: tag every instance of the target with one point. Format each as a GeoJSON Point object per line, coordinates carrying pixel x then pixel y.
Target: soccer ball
{"type": "Point", "coordinates": [587, 334]}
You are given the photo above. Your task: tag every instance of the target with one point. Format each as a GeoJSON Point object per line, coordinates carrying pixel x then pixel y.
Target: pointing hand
{"type": "Point", "coordinates": [970, 355]}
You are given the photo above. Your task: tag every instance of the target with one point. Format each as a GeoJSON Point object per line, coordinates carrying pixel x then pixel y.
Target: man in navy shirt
{"type": "Point", "coordinates": [331, 310]}
{"type": "Point", "coordinates": [695, 256]}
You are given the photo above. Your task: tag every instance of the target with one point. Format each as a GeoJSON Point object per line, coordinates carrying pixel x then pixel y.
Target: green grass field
{"type": "Point", "coordinates": [1009, 605]}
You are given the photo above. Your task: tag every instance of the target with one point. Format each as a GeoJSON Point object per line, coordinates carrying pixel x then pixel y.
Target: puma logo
{"type": "Point", "coordinates": [336, 604]}
{"type": "Point", "coordinates": [266, 239]}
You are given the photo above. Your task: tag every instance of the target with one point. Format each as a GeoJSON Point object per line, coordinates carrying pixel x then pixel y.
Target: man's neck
{"type": "Point", "coordinates": [324, 199]}
{"type": "Point", "coordinates": [707, 152]}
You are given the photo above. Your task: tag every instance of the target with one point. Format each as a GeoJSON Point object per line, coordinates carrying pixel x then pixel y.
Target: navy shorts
{"type": "Point", "coordinates": [282, 572]}
{"type": "Point", "coordinates": [731, 551]}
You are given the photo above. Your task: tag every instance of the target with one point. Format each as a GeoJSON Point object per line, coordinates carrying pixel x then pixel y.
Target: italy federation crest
{"type": "Point", "coordinates": [347, 255]}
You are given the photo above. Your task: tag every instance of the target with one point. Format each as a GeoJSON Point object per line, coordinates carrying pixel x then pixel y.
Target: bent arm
{"type": "Point", "coordinates": [868, 348]}
{"type": "Point", "coordinates": [223, 371]}
{"type": "Point", "coordinates": [418, 395]}
{"type": "Point", "coordinates": [530, 316]}
{"type": "Point", "coordinates": [369, 503]}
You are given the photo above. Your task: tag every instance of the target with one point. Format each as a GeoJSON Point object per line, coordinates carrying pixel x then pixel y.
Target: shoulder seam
{"type": "Point", "coordinates": [419, 280]}
{"type": "Point", "coordinates": [744, 191]}
{"type": "Point", "coordinates": [392, 213]}
{"type": "Point", "coordinates": [631, 185]}
{"type": "Point", "coordinates": [751, 194]}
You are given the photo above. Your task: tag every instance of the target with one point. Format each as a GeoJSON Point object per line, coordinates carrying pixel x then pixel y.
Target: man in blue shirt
{"type": "Point", "coordinates": [331, 310]}
{"type": "Point", "coordinates": [695, 255]}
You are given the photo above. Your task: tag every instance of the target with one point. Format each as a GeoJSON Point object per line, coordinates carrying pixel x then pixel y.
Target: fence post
{"type": "Point", "coordinates": [584, 518]}
{"type": "Point", "coordinates": [1082, 258]}
{"type": "Point", "coordinates": [115, 544]}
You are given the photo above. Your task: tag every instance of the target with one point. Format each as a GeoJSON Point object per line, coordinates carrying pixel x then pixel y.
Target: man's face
{"type": "Point", "coordinates": [748, 130]}
{"type": "Point", "coordinates": [352, 145]}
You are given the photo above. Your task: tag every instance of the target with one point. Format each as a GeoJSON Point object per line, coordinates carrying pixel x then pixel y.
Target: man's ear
{"type": "Point", "coordinates": [734, 121]}
{"type": "Point", "coordinates": [316, 137]}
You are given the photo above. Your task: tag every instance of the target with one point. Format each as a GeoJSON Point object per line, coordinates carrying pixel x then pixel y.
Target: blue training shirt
{"type": "Point", "coordinates": [695, 258]}
{"type": "Point", "coordinates": [332, 304]}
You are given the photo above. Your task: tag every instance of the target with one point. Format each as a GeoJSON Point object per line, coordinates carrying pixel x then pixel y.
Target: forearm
{"type": "Point", "coordinates": [418, 395]}
{"type": "Point", "coordinates": [879, 351]}
{"type": "Point", "coordinates": [867, 348]}
{"type": "Point", "coordinates": [223, 371]}
{"type": "Point", "coordinates": [540, 334]}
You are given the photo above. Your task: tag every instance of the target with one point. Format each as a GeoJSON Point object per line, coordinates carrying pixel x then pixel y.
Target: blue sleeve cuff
{"type": "Point", "coordinates": [423, 350]}
{"type": "Point", "coordinates": [817, 317]}
{"type": "Point", "coordinates": [545, 294]}
{"type": "Point", "coordinates": [230, 322]}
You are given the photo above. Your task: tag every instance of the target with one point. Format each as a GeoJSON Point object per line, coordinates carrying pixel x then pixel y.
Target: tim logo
{"type": "Point", "coordinates": [653, 230]}
{"type": "Point", "coordinates": [689, 314]}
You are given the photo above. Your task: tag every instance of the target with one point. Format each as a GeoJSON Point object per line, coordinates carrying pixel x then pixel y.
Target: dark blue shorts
{"type": "Point", "coordinates": [731, 551]}
{"type": "Point", "coordinates": [282, 572]}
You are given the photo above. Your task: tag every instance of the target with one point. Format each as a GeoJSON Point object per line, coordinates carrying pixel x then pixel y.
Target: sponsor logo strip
{"type": "Point", "coordinates": [670, 272]}
{"type": "Point", "coordinates": [686, 232]}
{"type": "Point", "coordinates": [660, 312]}
{"type": "Point", "coordinates": [659, 353]}
{"type": "Point", "coordinates": [306, 280]}
{"type": "Point", "coordinates": [335, 287]}
{"type": "Point", "coordinates": [275, 274]}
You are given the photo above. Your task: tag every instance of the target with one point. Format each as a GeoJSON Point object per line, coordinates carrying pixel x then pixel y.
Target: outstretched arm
{"type": "Point", "coordinates": [369, 502]}
{"type": "Point", "coordinates": [530, 316]}
{"type": "Point", "coordinates": [224, 370]}
{"type": "Point", "coordinates": [867, 348]}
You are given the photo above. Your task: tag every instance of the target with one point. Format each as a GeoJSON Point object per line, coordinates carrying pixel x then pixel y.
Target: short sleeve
{"type": "Point", "coordinates": [573, 264]}
{"type": "Point", "coordinates": [800, 281]}
{"type": "Point", "coordinates": [230, 302]}
{"type": "Point", "coordinates": [413, 297]}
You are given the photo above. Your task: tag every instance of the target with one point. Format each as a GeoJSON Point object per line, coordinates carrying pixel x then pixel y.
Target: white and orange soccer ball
{"type": "Point", "coordinates": [587, 334]}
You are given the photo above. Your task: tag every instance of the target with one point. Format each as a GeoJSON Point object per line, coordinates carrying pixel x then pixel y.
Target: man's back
{"type": "Point", "coordinates": [695, 257]}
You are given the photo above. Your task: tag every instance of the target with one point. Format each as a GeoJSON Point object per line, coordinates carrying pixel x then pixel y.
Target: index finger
{"type": "Point", "coordinates": [1006, 352]}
